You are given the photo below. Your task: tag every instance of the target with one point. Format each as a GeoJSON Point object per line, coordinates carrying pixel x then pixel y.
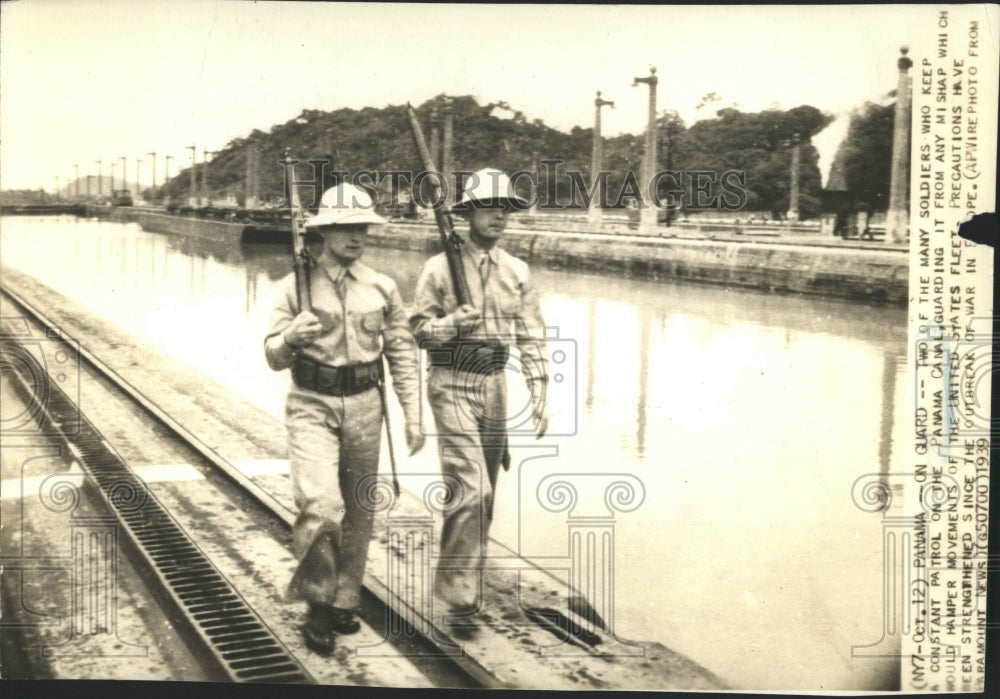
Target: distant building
{"type": "Point", "coordinates": [840, 216]}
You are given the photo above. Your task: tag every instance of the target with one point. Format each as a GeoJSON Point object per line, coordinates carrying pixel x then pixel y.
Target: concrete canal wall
{"type": "Point", "coordinates": [182, 225]}
{"type": "Point", "coordinates": [870, 274]}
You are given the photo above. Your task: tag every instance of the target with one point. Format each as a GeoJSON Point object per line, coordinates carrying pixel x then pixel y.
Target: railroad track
{"type": "Point", "coordinates": [534, 630]}
{"type": "Point", "coordinates": [234, 642]}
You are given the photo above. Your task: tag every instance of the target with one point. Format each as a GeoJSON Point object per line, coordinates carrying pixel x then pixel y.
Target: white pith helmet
{"type": "Point", "coordinates": [487, 185]}
{"type": "Point", "coordinates": [344, 205]}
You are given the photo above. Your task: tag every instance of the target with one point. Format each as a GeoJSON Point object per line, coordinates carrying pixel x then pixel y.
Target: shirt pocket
{"type": "Point", "coordinates": [372, 324]}
{"type": "Point", "coordinates": [510, 307]}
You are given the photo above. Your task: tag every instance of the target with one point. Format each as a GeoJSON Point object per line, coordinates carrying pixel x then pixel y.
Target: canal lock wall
{"type": "Point", "coordinates": [870, 275]}
{"type": "Point", "coordinates": [867, 274]}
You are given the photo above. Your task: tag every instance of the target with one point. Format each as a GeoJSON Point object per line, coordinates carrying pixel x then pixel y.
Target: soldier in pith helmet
{"type": "Point", "coordinates": [469, 355]}
{"type": "Point", "coordinates": [335, 404]}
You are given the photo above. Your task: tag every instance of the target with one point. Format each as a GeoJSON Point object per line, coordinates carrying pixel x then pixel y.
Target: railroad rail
{"type": "Point", "coordinates": [207, 609]}
{"type": "Point", "coordinates": [534, 631]}
{"type": "Point", "coordinates": [237, 645]}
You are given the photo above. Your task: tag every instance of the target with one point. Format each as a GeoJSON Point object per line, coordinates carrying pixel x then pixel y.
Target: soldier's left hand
{"type": "Point", "coordinates": [414, 437]}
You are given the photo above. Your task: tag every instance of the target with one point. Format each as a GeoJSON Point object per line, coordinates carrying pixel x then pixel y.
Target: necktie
{"type": "Point", "coordinates": [484, 275]}
{"type": "Point", "coordinates": [339, 282]}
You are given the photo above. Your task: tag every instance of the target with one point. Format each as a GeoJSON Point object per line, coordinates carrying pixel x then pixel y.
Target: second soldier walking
{"type": "Point", "coordinates": [468, 350]}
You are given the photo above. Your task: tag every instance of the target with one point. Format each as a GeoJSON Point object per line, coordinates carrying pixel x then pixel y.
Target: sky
{"type": "Point", "coordinates": [84, 80]}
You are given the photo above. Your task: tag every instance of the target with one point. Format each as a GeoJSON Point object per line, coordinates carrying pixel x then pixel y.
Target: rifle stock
{"type": "Point", "coordinates": [450, 241]}
{"type": "Point", "coordinates": [301, 259]}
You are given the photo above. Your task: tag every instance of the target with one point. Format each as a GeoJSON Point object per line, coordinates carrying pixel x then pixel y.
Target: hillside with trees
{"type": "Point", "coordinates": [863, 162]}
{"type": "Point", "coordinates": [26, 197]}
{"type": "Point", "coordinates": [497, 135]}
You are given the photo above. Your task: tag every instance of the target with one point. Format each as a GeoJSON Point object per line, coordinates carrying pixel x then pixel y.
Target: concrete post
{"type": "Point", "coordinates": [897, 222]}
{"type": "Point", "coordinates": [124, 172]}
{"type": "Point", "coordinates": [192, 198]}
{"type": "Point", "coordinates": [647, 213]}
{"type": "Point", "coordinates": [255, 178]}
{"type": "Point", "coordinates": [534, 188]}
{"type": "Point", "coordinates": [100, 179]}
{"type": "Point", "coordinates": [248, 202]}
{"type": "Point", "coordinates": [153, 153]}
{"type": "Point", "coordinates": [435, 138]}
{"type": "Point", "coordinates": [596, 208]}
{"type": "Point", "coordinates": [793, 194]}
{"type": "Point", "coordinates": [327, 148]}
{"type": "Point", "coordinates": [138, 187]}
{"type": "Point", "coordinates": [204, 175]}
{"type": "Point", "coordinates": [668, 135]}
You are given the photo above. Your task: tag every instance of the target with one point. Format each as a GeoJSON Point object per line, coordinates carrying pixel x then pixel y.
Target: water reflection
{"type": "Point", "coordinates": [747, 416]}
{"type": "Point", "coordinates": [640, 417]}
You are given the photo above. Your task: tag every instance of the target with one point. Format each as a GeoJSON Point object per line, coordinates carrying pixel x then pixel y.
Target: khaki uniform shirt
{"type": "Point", "coordinates": [501, 289]}
{"type": "Point", "coordinates": [362, 316]}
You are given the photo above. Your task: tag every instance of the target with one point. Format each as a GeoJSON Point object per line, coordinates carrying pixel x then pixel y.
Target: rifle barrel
{"type": "Point", "coordinates": [449, 239]}
{"type": "Point", "coordinates": [300, 253]}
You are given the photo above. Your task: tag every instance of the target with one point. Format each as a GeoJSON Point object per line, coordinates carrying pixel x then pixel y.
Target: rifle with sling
{"type": "Point", "coordinates": [450, 241]}
{"type": "Point", "coordinates": [301, 259]}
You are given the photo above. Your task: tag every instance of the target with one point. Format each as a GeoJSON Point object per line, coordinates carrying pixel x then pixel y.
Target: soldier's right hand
{"type": "Point", "coordinates": [304, 329]}
{"type": "Point", "coordinates": [464, 318]}
{"type": "Point", "coordinates": [414, 437]}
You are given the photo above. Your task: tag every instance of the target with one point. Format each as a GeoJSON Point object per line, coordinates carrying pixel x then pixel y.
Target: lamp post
{"type": "Point", "coordinates": [897, 221]}
{"type": "Point", "coordinates": [124, 172]}
{"type": "Point", "coordinates": [251, 188]}
{"type": "Point", "coordinates": [76, 180]}
{"type": "Point", "coordinates": [204, 174]}
{"type": "Point", "coordinates": [112, 178]}
{"type": "Point", "coordinates": [166, 173]}
{"type": "Point", "coordinates": [647, 214]}
{"type": "Point", "coordinates": [192, 200]}
{"type": "Point", "coordinates": [597, 161]}
{"type": "Point", "coordinates": [793, 191]}
{"type": "Point", "coordinates": [57, 188]}
{"type": "Point", "coordinates": [138, 187]}
{"type": "Point", "coordinates": [668, 139]}
{"type": "Point", "coordinates": [153, 168]}
{"type": "Point", "coordinates": [435, 137]}
{"type": "Point", "coordinates": [100, 179]}
{"type": "Point", "coordinates": [534, 187]}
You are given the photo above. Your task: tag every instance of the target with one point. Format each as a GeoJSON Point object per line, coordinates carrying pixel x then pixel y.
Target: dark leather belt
{"type": "Point", "coordinates": [473, 357]}
{"type": "Point", "coordinates": [337, 380]}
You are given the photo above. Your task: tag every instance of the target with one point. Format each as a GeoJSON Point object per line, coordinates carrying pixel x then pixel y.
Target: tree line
{"type": "Point", "coordinates": [759, 144]}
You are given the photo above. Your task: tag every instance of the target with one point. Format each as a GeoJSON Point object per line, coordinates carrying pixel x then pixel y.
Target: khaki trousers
{"type": "Point", "coordinates": [333, 442]}
{"type": "Point", "coordinates": [470, 414]}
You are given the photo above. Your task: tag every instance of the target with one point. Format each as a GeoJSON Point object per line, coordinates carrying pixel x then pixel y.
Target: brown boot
{"type": "Point", "coordinates": [344, 621]}
{"type": "Point", "coordinates": [318, 629]}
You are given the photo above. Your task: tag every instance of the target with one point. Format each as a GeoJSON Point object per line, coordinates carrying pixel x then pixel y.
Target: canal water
{"type": "Point", "coordinates": [737, 421]}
